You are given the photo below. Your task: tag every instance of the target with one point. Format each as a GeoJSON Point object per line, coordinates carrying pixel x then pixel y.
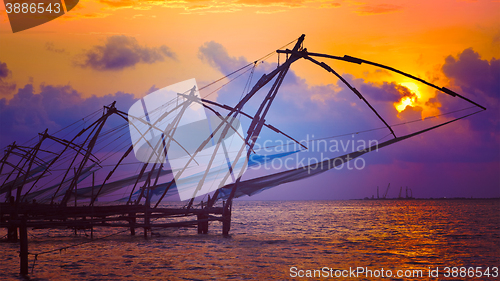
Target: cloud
{"type": "Point", "coordinates": [472, 74]}
{"type": "Point", "coordinates": [6, 88]}
{"type": "Point", "coordinates": [378, 9]}
{"type": "Point", "coordinates": [53, 108]}
{"type": "Point", "coordinates": [49, 46]}
{"type": "Point", "coordinates": [214, 6]}
{"type": "Point", "coordinates": [388, 92]}
{"type": "Point", "coordinates": [120, 52]}
{"type": "Point", "coordinates": [4, 71]}
{"type": "Point", "coordinates": [216, 56]}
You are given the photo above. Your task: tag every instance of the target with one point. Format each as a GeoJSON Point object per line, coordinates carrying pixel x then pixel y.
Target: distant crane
{"type": "Point", "coordinates": [387, 190]}
{"type": "Point", "coordinates": [400, 190]}
{"type": "Point", "coordinates": [411, 193]}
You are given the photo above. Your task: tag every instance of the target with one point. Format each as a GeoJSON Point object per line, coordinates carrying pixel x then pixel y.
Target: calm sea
{"type": "Point", "coordinates": [281, 239]}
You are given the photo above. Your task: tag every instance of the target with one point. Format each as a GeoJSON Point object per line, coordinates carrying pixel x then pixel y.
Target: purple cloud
{"type": "Point", "coordinates": [120, 52]}
{"type": "Point", "coordinates": [53, 108]}
{"type": "Point", "coordinates": [474, 75]}
{"type": "Point", "coordinates": [6, 88]}
{"type": "Point", "coordinates": [216, 56]}
{"type": "Point", "coordinates": [480, 79]}
{"type": "Point", "coordinates": [49, 46]}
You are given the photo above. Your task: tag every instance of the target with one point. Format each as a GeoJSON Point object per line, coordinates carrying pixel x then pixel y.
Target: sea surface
{"type": "Point", "coordinates": [277, 240]}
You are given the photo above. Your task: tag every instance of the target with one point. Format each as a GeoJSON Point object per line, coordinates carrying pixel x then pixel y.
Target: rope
{"type": "Point", "coordinates": [227, 83]}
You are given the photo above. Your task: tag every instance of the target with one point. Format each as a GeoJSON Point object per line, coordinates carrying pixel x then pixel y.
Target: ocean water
{"type": "Point", "coordinates": [279, 240]}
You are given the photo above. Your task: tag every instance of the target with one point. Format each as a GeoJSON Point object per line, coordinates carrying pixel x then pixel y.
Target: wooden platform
{"type": "Point", "coordinates": [85, 217]}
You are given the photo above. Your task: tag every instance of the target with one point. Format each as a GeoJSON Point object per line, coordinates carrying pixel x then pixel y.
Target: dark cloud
{"type": "Point", "coordinates": [216, 56]}
{"type": "Point", "coordinates": [49, 46]}
{"type": "Point", "coordinates": [478, 80]}
{"type": "Point", "coordinates": [53, 108]}
{"type": "Point", "coordinates": [120, 52]}
{"type": "Point", "coordinates": [474, 75]}
{"type": "Point", "coordinates": [4, 70]}
{"type": "Point", "coordinates": [6, 88]}
{"type": "Point", "coordinates": [331, 5]}
{"type": "Point", "coordinates": [390, 92]}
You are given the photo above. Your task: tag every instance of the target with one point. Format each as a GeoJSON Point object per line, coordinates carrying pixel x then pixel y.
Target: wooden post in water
{"type": "Point", "coordinates": [226, 218]}
{"type": "Point", "coordinates": [146, 215]}
{"type": "Point", "coordinates": [92, 211]}
{"type": "Point", "coordinates": [76, 190]}
{"type": "Point", "coordinates": [23, 246]}
{"type": "Point", "coordinates": [132, 221]}
{"type": "Point", "coordinates": [202, 225]}
{"type": "Point", "coordinates": [199, 217]}
{"type": "Point", "coordinates": [205, 224]}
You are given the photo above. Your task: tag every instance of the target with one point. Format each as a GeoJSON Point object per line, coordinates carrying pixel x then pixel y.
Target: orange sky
{"type": "Point", "coordinates": [414, 36]}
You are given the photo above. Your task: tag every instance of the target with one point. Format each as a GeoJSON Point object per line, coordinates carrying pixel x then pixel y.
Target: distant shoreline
{"type": "Point", "coordinates": [431, 198]}
{"type": "Point", "coordinates": [375, 199]}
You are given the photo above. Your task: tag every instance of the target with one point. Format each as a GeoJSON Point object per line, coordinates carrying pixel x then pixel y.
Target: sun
{"type": "Point", "coordinates": [403, 103]}
{"type": "Point", "coordinates": [409, 100]}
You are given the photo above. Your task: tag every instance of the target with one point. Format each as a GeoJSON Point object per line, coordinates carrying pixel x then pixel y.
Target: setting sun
{"type": "Point", "coordinates": [409, 99]}
{"type": "Point", "coordinates": [418, 99]}
{"type": "Point", "coordinates": [403, 103]}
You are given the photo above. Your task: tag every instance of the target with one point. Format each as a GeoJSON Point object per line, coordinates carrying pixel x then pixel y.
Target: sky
{"type": "Point", "coordinates": [108, 50]}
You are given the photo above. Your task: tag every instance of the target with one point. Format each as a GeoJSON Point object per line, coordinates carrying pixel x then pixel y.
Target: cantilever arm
{"type": "Point", "coordinates": [360, 61]}
{"type": "Point", "coordinates": [329, 69]}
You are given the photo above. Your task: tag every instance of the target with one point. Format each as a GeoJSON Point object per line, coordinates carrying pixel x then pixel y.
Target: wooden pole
{"type": "Point", "coordinates": [92, 210]}
{"type": "Point", "coordinates": [205, 224]}
{"type": "Point", "coordinates": [226, 219]}
{"type": "Point", "coordinates": [146, 214]}
{"type": "Point", "coordinates": [23, 245]}
{"type": "Point", "coordinates": [76, 190]}
{"type": "Point", "coordinates": [132, 221]}
{"type": "Point", "coordinates": [199, 217]}
{"type": "Point", "coordinates": [200, 230]}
